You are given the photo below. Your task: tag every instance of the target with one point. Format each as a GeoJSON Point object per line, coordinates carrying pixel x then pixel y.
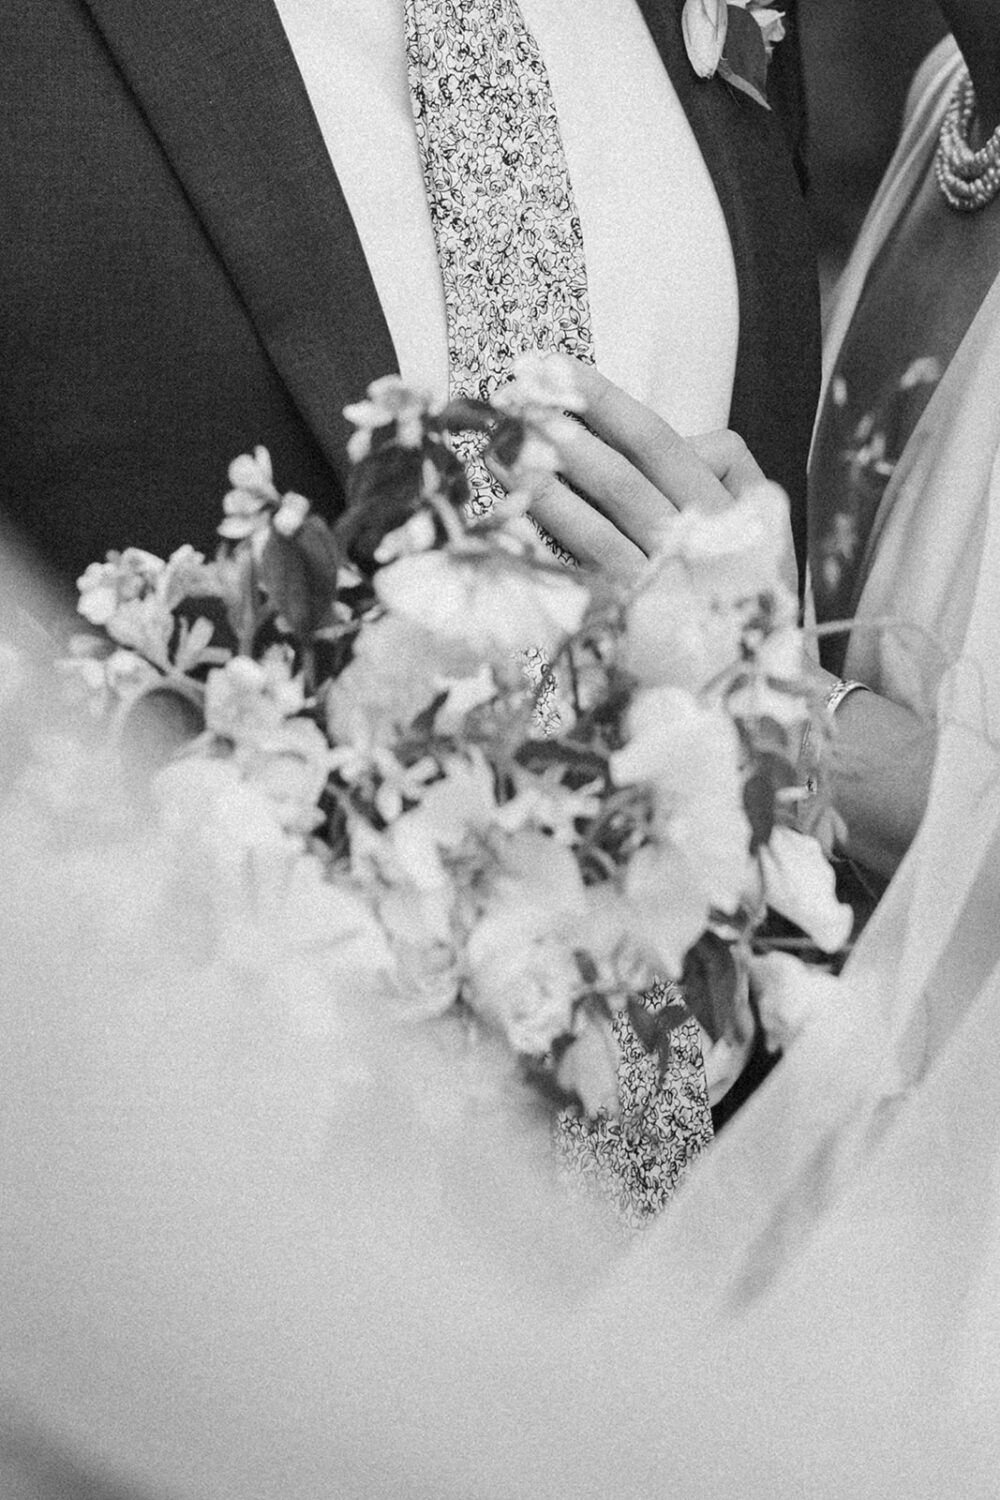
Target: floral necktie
{"type": "Point", "coordinates": [505, 220]}
{"type": "Point", "coordinates": [510, 246]}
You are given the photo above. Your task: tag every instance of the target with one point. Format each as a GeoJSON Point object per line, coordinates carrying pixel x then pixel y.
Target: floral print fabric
{"type": "Point", "coordinates": [505, 220]}
{"type": "Point", "coordinates": [510, 246]}
{"type": "Point", "coordinates": [636, 1163]}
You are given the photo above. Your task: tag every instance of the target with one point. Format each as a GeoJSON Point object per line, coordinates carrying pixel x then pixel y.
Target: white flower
{"type": "Point", "coordinates": [290, 514]}
{"type": "Point", "coordinates": [247, 700]}
{"type": "Point", "coordinates": [416, 534]}
{"type": "Point", "coordinates": [133, 595]}
{"type": "Point", "coordinates": [390, 400]}
{"type": "Point", "coordinates": [523, 981]}
{"type": "Point", "coordinates": [667, 902]}
{"type": "Point", "coordinates": [122, 578]}
{"type": "Point", "coordinates": [249, 503]}
{"type": "Point", "coordinates": [463, 801]}
{"type": "Point", "coordinates": [799, 883]}
{"type": "Point", "coordinates": [523, 971]}
{"type": "Point", "coordinates": [704, 24]}
{"type": "Point", "coordinates": [194, 644]}
{"type": "Point", "coordinates": [688, 755]}
{"type": "Point", "coordinates": [542, 801]}
{"type": "Point", "coordinates": [291, 765]}
{"type": "Point", "coordinates": [399, 784]}
{"type": "Point", "coordinates": [145, 625]}
{"type": "Point", "coordinates": [734, 554]}
{"type": "Point", "coordinates": [674, 638]}
{"type": "Point", "coordinates": [687, 625]}
{"type": "Point", "coordinates": [413, 916]}
{"type": "Point", "coordinates": [791, 996]}
{"type": "Point", "coordinates": [188, 576]}
{"type": "Point", "coordinates": [273, 909]}
{"type": "Point", "coordinates": [544, 381]}
{"type": "Point", "coordinates": [492, 603]}
{"type": "Point", "coordinates": [777, 659]}
{"type": "Point", "coordinates": [425, 978]}
{"type": "Point", "coordinates": [129, 675]}
{"type": "Point", "coordinates": [396, 672]}
{"type": "Point", "coordinates": [589, 1068]}
{"type": "Point", "coordinates": [924, 371]}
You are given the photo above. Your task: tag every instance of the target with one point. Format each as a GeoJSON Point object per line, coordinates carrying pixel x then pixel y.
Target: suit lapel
{"type": "Point", "coordinates": [219, 87]}
{"type": "Point", "coordinates": [777, 366]}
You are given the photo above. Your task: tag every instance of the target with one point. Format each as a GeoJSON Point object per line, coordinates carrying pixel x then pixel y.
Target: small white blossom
{"type": "Point", "coordinates": [791, 997]}
{"type": "Point", "coordinates": [390, 400]}
{"type": "Point", "coordinates": [493, 604]}
{"type": "Point", "coordinates": [290, 514]}
{"type": "Point", "coordinates": [799, 883]}
{"type": "Point", "coordinates": [542, 382]}
{"type": "Point", "coordinates": [688, 755]}
{"type": "Point", "coordinates": [705, 24]}
{"type": "Point", "coordinates": [292, 765]}
{"type": "Point", "coordinates": [247, 700]}
{"type": "Point", "coordinates": [122, 578]}
{"type": "Point", "coordinates": [129, 675]}
{"type": "Point", "coordinates": [925, 371]}
{"type": "Point", "coordinates": [416, 534]}
{"type": "Point", "coordinates": [248, 505]}
{"type": "Point", "coordinates": [523, 982]}
{"type": "Point", "coordinates": [542, 801]}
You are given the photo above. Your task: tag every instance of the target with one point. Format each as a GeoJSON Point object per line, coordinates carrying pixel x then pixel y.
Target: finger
{"type": "Point", "coordinates": [648, 442]}
{"type": "Point", "coordinates": [730, 460]}
{"type": "Point", "coordinates": [596, 542]}
{"type": "Point", "coordinates": [615, 486]}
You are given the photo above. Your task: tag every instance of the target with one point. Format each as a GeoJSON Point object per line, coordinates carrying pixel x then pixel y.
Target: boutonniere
{"type": "Point", "coordinates": [734, 38]}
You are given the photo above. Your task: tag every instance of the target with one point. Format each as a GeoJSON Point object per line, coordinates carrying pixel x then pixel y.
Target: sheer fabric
{"type": "Point", "coordinates": [242, 1255]}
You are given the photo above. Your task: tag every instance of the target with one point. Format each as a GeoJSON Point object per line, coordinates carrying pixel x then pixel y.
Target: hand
{"type": "Point", "coordinates": [633, 470]}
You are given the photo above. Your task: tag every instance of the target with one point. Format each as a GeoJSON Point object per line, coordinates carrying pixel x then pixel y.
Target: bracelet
{"type": "Point", "coordinates": [840, 690]}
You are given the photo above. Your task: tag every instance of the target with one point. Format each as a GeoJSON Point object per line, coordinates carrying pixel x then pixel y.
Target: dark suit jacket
{"type": "Point", "coordinates": [180, 278]}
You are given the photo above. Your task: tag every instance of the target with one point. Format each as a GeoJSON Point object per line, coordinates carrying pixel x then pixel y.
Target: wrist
{"type": "Point", "coordinates": [838, 690]}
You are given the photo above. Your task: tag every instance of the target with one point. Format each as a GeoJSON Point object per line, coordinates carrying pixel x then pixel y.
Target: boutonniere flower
{"type": "Point", "coordinates": [734, 38]}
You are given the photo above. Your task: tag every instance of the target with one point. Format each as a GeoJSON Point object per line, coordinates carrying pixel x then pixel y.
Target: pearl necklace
{"type": "Point", "coordinates": [968, 179]}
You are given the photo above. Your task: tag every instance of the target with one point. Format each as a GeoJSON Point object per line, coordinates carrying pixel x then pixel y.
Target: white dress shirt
{"type": "Point", "coordinates": [660, 267]}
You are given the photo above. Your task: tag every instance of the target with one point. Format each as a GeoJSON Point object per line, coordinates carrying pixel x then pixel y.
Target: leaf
{"type": "Point", "coordinates": [744, 64]}
{"type": "Point", "coordinates": [768, 733]}
{"type": "Point", "coordinates": [771, 774]}
{"type": "Point", "coordinates": [709, 982]}
{"type": "Point", "coordinates": [283, 574]}
{"type": "Point", "coordinates": [384, 490]}
{"type": "Point", "coordinates": [653, 1027]}
{"type": "Point", "coordinates": [299, 573]}
{"type": "Point", "coordinates": [507, 441]}
{"type": "Point", "coordinates": [467, 414]}
{"type": "Point", "coordinates": [644, 1024]}
{"type": "Point", "coordinates": [540, 1073]}
{"type": "Point", "coordinates": [423, 724]}
{"type": "Point", "coordinates": [322, 554]}
{"type": "Point", "coordinates": [587, 967]}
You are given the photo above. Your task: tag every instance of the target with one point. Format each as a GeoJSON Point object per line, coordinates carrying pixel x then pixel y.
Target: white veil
{"type": "Point", "coordinates": [239, 1261]}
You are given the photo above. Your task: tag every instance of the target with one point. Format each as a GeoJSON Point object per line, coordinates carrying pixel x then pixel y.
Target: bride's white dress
{"type": "Point", "coordinates": [234, 1267]}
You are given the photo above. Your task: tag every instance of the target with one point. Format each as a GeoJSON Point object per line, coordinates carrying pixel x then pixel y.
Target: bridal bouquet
{"type": "Point", "coordinates": [418, 745]}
